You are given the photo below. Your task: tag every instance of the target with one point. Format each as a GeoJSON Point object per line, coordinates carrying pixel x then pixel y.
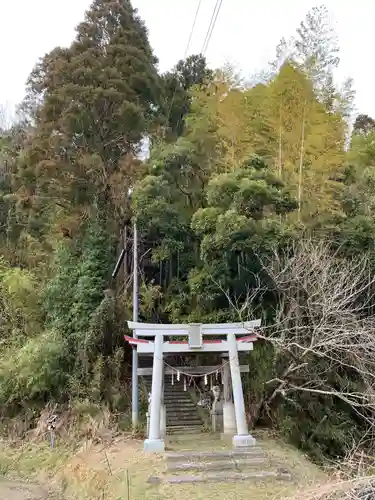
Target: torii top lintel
{"type": "Point", "coordinates": [195, 333]}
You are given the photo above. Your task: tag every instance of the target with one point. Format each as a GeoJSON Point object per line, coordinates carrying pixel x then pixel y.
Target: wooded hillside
{"type": "Point", "coordinates": [257, 200]}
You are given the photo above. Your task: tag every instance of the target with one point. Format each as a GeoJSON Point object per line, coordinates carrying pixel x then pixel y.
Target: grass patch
{"type": "Point", "coordinates": [120, 470]}
{"type": "Point", "coordinates": [25, 461]}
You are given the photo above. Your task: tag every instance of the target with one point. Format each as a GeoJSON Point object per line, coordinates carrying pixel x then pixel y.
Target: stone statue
{"type": "Point", "coordinates": [216, 393]}
{"type": "Point", "coordinates": [206, 398]}
{"type": "Point", "coordinates": [217, 409]}
{"type": "Point", "coordinates": [204, 402]}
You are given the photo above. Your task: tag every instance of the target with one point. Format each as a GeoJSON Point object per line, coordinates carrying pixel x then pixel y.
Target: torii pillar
{"type": "Point", "coordinates": [229, 414]}
{"type": "Point", "coordinates": [242, 438]}
{"type": "Point", "coordinates": [155, 443]}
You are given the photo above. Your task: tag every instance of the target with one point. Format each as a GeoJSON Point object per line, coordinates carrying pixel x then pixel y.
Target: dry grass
{"type": "Point", "coordinates": [120, 469]}
{"type": "Point", "coordinates": [362, 488]}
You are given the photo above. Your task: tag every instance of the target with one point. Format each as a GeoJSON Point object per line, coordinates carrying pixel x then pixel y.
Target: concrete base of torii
{"type": "Point", "coordinates": [154, 445]}
{"type": "Point", "coordinates": [229, 433]}
{"type": "Point", "coordinates": [240, 442]}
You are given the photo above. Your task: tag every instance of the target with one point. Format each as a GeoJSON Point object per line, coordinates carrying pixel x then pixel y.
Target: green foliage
{"type": "Point", "coordinates": [177, 83]}
{"type": "Point", "coordinates": [363, 124]}
{"type": "Point", "coordinates": [89, 107]}
{"type": "Point", "coordinates": [34, 371]}
{"type": "Point", "coordinates": [110, 68]}
{"type": "Point", "coordinates": [77, 307]}
{"type": "Point", "coordinates": [245, 218]}
{"type": "Point", "coordinates": [92, 104]}
{"type": "Point", "coordinates": [59, 294]}
{"type": "Point", "coordinates": [216, 200]}
{"type": "Point", "coordinates": [20, 305]}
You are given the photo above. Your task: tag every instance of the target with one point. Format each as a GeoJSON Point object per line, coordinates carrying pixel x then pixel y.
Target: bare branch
{"type": "Point", "coordinates": [323, 334]}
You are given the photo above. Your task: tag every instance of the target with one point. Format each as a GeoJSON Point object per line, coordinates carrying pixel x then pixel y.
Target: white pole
{"type": "Point", "coordinates": [243, 437]}
{"type": "Point", "coordinates": [154, 443]}
{"type": "Point", "coordinates": [238, 398]}
{"type": "Point", "coordinates": [229, 414]}
{"type": "Point", "coordinates": [135, 395]}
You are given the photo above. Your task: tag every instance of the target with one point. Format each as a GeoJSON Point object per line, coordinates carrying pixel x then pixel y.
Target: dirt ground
{"type": "Point", "coordinates": [10, 490]}
{"type": "Point", "coordinates": [121, 469]}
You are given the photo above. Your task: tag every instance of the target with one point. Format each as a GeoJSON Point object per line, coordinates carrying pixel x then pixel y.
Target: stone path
{"type": "Point", "coordinates": [219, 466]}
{"type": "Point", "coordinates": [10, 490]}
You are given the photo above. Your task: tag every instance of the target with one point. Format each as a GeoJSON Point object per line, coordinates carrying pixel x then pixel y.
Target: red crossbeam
{"type": "Point", "coordinates": [132, 340]}
{"type": "Point", "coordinates": [249, 338]}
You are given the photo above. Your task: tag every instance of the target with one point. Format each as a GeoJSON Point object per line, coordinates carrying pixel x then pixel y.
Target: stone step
{"type": "Point", "coordinates": [177, 391]}
{"type": "Point", "coordinates": [222, 477]}
{"type": "Point", "coordinates": [176, 394]}
{"type": "Point", "coordinates": [179, 401]}
{"type": "Point", "coordinates": [177, 424]}
{"type": "Point", "coordinates": [173, 422]}
{"type": "Point", "coordinates": [176, 385]}
{"type": "Point", "coordinates": [183, 417]}
{"type": "Point", "coordinates": [173, 394]}
{"type": "Point", "coordinates": [185, 429]}
{"type": "Point", "coordinates": [167, 386]}
{"type": "Point", "coordinates": [180, 404]}
{"type": "Point", "coordinates": [180, 413]}
{"type": "Point", "coordinates": [168, 390]}
{"type": "Point", "coordinates": [190, 456]}
{"type": "Point", "coordinates": [181, 409]}
{"type": "Point", "coordinates": [238, 464]}
{"type": "Point", "coordinates": [179, 397]}
{"type": "Point", "coordinates": [183, 404]}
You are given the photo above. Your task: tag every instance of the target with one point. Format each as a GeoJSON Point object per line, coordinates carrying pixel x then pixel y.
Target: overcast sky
{"type": "Point", "coordinates": [246, 34]}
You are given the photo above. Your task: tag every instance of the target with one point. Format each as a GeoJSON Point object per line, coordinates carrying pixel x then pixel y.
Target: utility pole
{"type": "Point", "coordinates": [126, 260]}
{"type": "Point", "coordinates": [135, 394]}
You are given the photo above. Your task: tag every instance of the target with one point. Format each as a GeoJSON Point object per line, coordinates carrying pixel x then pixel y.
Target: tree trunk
{"type": "Point", "coordinates": [301, 157]}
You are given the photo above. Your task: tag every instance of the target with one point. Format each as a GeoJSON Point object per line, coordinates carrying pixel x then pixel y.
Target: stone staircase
{"type": "Point", "coordinates": [182, 413]}
{"type": "Point", "coordinates": [219, 466]}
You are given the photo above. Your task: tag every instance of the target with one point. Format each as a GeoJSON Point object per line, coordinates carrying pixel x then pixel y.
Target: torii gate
{"type": "Point", "coordinates": [196, 344]}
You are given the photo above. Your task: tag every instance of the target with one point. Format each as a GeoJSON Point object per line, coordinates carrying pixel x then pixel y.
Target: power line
{"type": "Point", "coordinates": [193, 27]}
{"type": "Point", "coordinates": [211, 27]}
{"type": "Point", "coordinates": [185, 55]}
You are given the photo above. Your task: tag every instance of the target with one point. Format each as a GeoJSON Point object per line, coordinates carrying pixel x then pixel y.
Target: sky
{"type": "Point", "coordinates": [246, 34]}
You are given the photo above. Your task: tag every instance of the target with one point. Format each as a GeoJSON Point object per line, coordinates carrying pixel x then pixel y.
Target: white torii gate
{"type": "Point", "coordinates": [196, 344]}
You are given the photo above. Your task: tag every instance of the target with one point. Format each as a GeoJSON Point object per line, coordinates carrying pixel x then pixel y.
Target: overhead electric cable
{"type": "Point", "coordinates": [185, 55]}
{"type": "Point", "coordinates": [211, 26]}
{"type": "Point", "coordinates": [193, 27]}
